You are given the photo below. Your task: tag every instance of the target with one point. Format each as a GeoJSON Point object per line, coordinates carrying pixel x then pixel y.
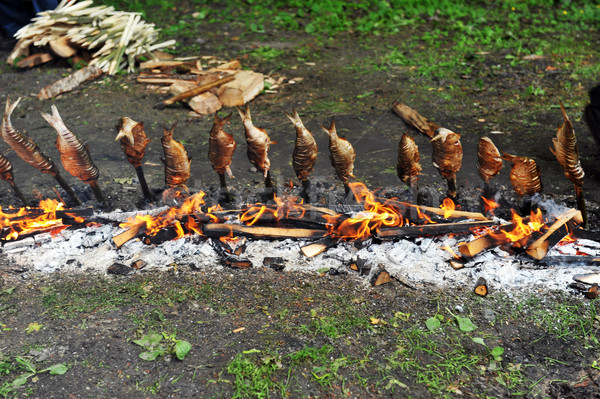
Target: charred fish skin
{"type": "Point", "coordinates": [525, 175]}
{"type": "Point", "coordinates": [258, 142]}
{"type": "Point", "coordinates": [566, 152]}
{"type": "Point", "coordinates": [23, 145]}
{"type": "Point", "coordinates": [133, 140]}
{"type": "Point", "coordinates": [176, 161]}
{"type": "Point", "coordinates": [408, 166]}
{"type": "Point", "coordinates": [74, 155]}
{"type": "Point", "coordinates": [305, 150]}
{"type": "Point", "coordinates": [221, 146]}
{"type": "Point", "coordinates": [341, 153]}
{"type": "Point", "coordinates": [489, 161]}
{"type": "Point", "coordinates": [447, 152]}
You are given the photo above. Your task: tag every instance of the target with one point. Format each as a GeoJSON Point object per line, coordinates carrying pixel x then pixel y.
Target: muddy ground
{"type": "Point", "coordinates": [89, 321]}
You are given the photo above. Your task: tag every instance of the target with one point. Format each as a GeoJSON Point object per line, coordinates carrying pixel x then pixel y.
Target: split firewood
{"type": "Point", "coordinates": [193, 92]}
{"type": "Point", "coordinates": [275, 233]}
{"type": "Point", "coordinates": [540, 247]}
{"type": "Point", "coordinates": [165, 79]}
{"type": "Point", "coordinates": [414, 119]}
{"type": "Point", "coordinates": [35, 60]}
{"type": "Point", "coordinates": [70, 82]}
{"type": "Point", "coordinates": [592, 292]}
{"type": "Point", "coordinates": [305, 153]}
{"type": "Point", "coordinates": [21, 50]}
{"type": "Point", "coordinates": [258, 143]}
{"type": "Point", "coordinates": [447, 157]}
{"type": "Point", "coordinates": [133, 141]}
{"type": "Point", "coordinates": [62, 47]}
{"type": "Point", "coordinates": [74, 155]}
{"type": "Point", "coordinates": [341, 154]}
{"type": "Point", "coordinates": [489, 163]}
{"type": "Point", "coordinates": [176, 161]}
{"type": "Point", "coordinates": [318, 247]}
{"type": "Point", "coordinates": [221, 146]}
{"type": "Point", "coordinates": [205, 103]}
{"type": "Point", "coordinates": [28, 150]}
{"type": "Point", "coordinates": [408, 167]}
{"type": "Point", "coordinates": [6, 174]}
{"type": "Point", "coordinates": [481, 287]}
{"type": "Point", "coordinates": [525, 175]}
{"type": "Point", "coordinates": [431, 229]}
{"type": "Point", "coordinates": [566, 152]}
{"type": "Point", "coordinates": [242, 89]}
{"type": "Point", "coordinates": [380, 276]}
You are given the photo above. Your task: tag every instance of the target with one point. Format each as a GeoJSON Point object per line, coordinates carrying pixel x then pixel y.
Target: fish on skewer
{"type": "Point", "coordinates": [341, 154]}
{"type": "Point", "coordinates": [305, 152]}
{"type": "Point", "coordinates": [6, 174]}
{"type": "Point", "coordinates": [221, 146]}
{"type": "Point", "coordinates": [176, 161]}
{"type": "Point", "coordinates": [489, 163]}
{"type": "Point", "coordinates": [566, 152]}
{"type": "Point", "coordinates": [408, 166]}
{"type": "Point", "coordinates": [447, 156]}
{"type": "Point", "coordinates": [28, 150]}
{"type": "Point", "coordinates": [258, 143]}
{"type": "Point", "coordinates": [133, 143]}
{"type": "Point", "coordinates": [74, 155]}
{"type": "Point", "coordinates": [525, 175]}
{"type": "Point", "coordinates": [414, 119]}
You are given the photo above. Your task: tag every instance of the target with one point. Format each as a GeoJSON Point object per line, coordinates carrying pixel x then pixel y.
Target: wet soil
{"type": "Point", "coordinates": [96, 341]}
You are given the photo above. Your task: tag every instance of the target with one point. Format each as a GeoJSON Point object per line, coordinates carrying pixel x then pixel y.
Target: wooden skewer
{"type": "Point", "coordinates": [195, 91]}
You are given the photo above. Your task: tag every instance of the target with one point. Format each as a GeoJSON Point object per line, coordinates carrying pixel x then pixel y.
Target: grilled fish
{"type": "Point", "coordinates": [23, 145]}
{"type": "Point", "coordinates": [305, 150]}
{"type": "Point", "coordinates": [341, 154]}
{"type": "Point", "coordinates": [447, 152]}
{"type": "Point", "coordinates": [566, 152]}
{"type": "Point", "coordinates": [258, 142]}
{"type": "Point", "coordinates": [525, 175]}
{"type": "Point", "coordinates": [177, 163]}
{"type": "Point", "coordinates": [489, 161]}
{"type": "Point", "coordinates": [74, 155]}
{"type": "Point", "coordinates": [221, 146]}
{"type": "Point", "coordinates": [408, 166]}
{"type": "Point", "coordinates": [133, 140]}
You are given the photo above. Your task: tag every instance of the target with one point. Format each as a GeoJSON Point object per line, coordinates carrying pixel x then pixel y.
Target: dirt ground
{"type": "Point", "coordinates": [89, 322]}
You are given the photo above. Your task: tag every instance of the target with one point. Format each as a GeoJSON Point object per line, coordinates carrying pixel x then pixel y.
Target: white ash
{"type": "Point", "coordinates": [416, 262]}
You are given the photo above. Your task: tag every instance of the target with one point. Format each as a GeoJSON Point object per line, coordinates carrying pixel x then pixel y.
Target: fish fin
{"type": "Point", "coordinates": [8, 110]}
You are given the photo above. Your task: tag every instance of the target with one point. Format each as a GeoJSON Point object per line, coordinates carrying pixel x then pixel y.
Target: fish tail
{"type": "Point", "coordinates": [55, 120]}
{"type": "Point", "coordinates": [8, 110]}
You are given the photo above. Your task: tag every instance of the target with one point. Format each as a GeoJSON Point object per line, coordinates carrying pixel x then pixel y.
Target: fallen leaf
{"type": "Point", "coordinates": [34, 327]}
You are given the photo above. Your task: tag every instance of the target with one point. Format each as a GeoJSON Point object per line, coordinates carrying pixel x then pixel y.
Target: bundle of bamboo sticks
{"type": "Point", "coordinates": [113, 38]}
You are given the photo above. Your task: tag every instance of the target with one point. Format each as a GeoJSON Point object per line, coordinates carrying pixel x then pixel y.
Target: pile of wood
{"type": "Point", "coordinates": [108, 39]}
{"type": "Point", "coordinates": [204, 90]}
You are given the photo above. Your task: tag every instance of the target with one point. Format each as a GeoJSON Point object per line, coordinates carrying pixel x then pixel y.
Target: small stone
{"type": "Point", "coordinates": [120, 269]}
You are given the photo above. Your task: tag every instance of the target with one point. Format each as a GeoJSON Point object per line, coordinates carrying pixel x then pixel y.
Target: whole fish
{"type": "Point", "coordinates": [447, 152]}
{"type": "Point", "coordinates": [133, 140]}
{"type": "Point", "coordinates": [408, 166]}
{"type": "Point", "coordinates": [566, 152]}
{"type": "Point", "coordinates": [258, 142]}
{"type": "Point", "coordinates": [489, 161]}
{"type": "Point", "coordinates": [177, 163]}
{"type": "Point", "coordinates": [221, 146]}
{"type": "Point", "coordinates": [74, 155]}
{"type": "Point", "coordinates": [23, 145]}
{"type": "Point", "coordinates": [305, 150]}
{"type": "Point", "coordinates": [525, 175]}
{"type": "Point", "coordinates": [341, 154]}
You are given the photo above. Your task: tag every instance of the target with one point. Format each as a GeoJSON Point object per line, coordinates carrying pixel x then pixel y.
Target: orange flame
{"type": "Point", "coordinates": [448, 206]}
{"type": "Point", "coordinates": [28, 220]}
{"type": "Point", "coordinates": [490, 205]}
{"type": "Point", "coordinates": [521, 229]}
{"type": "Point", "coordinates": [450, 250]}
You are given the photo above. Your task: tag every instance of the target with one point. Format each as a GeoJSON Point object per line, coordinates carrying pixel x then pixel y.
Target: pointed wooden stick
{"type": "Point", "coordinates": [67, 188]}
{"type": "Point", "coordinates": [18, 193]}
{"type": "Point", "coordinates": [143, 184]}
{"type": "Point", "coordinates": [98, 193]}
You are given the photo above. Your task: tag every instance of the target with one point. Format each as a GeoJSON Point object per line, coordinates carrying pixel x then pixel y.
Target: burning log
{"type": "Point", "coordinates": [6, 174]}
{"type": "Point", "coordinates": [305, 153]}
{"type": "Point", "coordinates": [566, 152]}
{"type": "Point", "coordinates": [540, 247]}
{"type": "Point", "coordinates": [230, 230]}
{"type": "Point", "coordinates": [133, 143]}
{"type": "Point", "coordinates": [414, 119]}
{"type": "Point", "coordinates": [447, 157]}
{"type": "Point", "coordinates": [481, 287]}
{"type": "Point", "coordinates": [431, 229]}
{"type": "Point", "coordinates": [221, 146]}
{"type": "Point", "coordinates": [228, 258]}
{"type": "Point", "coordinates": [408, 167]}
{"type": "Point", "coordinates": [409, 211]}
{"type": "Point", "coordinates": [75, 156]}
{"type": "Point", "coordinates": [70, 82]}
{"type": "Point", "coordinates": [318, 247]}
{"type": "Point", "coordinates": [28, 150]}
{"type": "Point", "coordinates": [193, 92]}
{"type": "Point", "coordinates": [176, 160]}
{"type": "Point", "coordinates": [258, 143]}
{"type": "Point", "coordinates": [489, 163]}
{"type": "Point", "coordinates": [341, 154]}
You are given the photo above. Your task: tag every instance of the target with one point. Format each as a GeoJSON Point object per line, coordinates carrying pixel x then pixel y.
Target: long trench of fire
{"type": "Point", "coordinates": [346, 237]}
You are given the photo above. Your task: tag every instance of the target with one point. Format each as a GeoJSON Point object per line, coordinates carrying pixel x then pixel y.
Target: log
{"type": "Point", "coordinates": [21, 49]}
{"type": "Point", "coordinates": [226, 230]}
{"type": "Point", "coordinates": [194, 92]}
{"type": "Point", "coordinates": [128, 234]}
{"type": "Point", "coordinates": [70, 82]}
{"type": "Point", "coordinates": [481, 287]}
{"type": "Point", "coordinates": [34, 60]}
{"type": "Point", "coordinates": [245, 86]}
{"type": "Point", "coordinates": [153, 64]}
{"type": "Point", "coordinates": [205, 103]}
{"type": "Point", "coordinates": [409, 211]}
{"type": "Point", "coordinates": [380, 277]}
{"type": "Point", "coordinates": [62, 47]}
{"type": "Point", "coordinates": [540, 247]}
{"type": "Point", "coordinates": [414, 119]}
{"type": "Point", "coordinates": [165, 78]}
{"type": "Point", "coordinates": [318, 247]}
{"type": "Point", "coordinates": [480, 244]}
{"type": "Point", "coordinates": [430, 229]}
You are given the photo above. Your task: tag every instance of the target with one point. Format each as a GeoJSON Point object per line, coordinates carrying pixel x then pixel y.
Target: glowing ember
{"type": "Point", "coordinates": [522, 229]}
{"type": "Point", "coordinates": [29, 220]}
